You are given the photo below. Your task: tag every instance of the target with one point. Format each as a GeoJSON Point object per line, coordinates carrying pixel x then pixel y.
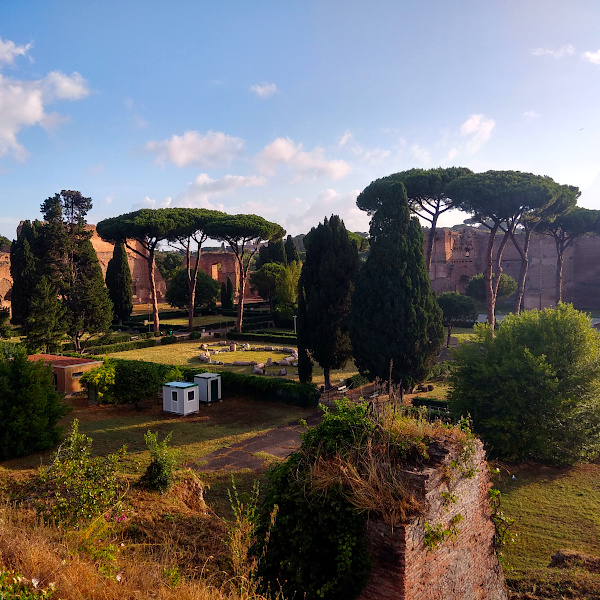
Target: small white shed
{"type": "Point", "coordinates": [209, 386]}
{"type": "Point", "coordinates": [180, 397]}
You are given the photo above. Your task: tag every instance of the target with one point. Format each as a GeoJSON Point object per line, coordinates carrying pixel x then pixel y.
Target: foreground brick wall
{"type": "Point", "coordinates": [404, 568]}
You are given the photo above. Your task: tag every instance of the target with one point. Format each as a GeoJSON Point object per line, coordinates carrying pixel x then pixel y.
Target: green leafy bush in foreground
{"type": "Point", "coordinates": [14, 586]}
{"type": "Point", "coordinates": [533, 390]}
{"type": "Point", "coordinates": [159, 473]}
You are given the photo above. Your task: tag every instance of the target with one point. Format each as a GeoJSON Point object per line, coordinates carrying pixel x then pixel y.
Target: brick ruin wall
{"type": "Point", "coordinates": [457, 256]}
{"type": "Point", "coordinates": [460, 254]}
{"type": "Point", "coordinates": [466, 568]}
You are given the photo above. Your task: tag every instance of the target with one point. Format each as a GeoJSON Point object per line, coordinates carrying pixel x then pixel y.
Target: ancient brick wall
{"type": "Point", "coordinates": [223, 265]}
{"type": "Point", "coordinates": [460, 254]}
{"type": "Point", "coordinates": [466, 568]}
{"type": "Point", "coordinates": [5, 279]}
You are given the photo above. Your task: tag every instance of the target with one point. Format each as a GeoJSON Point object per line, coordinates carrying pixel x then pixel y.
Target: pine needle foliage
{"type": "Point", "coordinates": [395, 324]}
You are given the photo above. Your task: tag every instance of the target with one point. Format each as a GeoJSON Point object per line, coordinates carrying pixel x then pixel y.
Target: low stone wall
{"type": "Point", "coordinates": [466, 568]}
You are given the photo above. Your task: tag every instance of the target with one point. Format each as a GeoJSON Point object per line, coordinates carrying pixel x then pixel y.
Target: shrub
{"type": "Point", "coordinates": [263, 337]}
{"type": "Point", "coordinates": [77, 487]}
{"type": "Point", "coordinates": [533, 390]}
{"type": "Point", "coordinates": [144, 343]}
{"type": "Point", "coordinates": [136, 380]}
{"type": "Point", "coordinates": [159, 473]}
{"type": "Point", "coordinates": [30, 408]}
{"type": "Point", "coordinates": [195, 335]}
{"type": "Point", "coordinates": [16, 587]}
{"type": "Point", "coordinates": [170, 339]}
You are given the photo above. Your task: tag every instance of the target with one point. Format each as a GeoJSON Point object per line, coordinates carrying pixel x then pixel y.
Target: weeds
{"type": "Point", "coordinates": [159, 474]}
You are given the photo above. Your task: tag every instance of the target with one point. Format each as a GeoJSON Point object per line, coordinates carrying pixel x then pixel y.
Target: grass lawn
{"type": "Point", "coordinates": [186, 353]}
{"type": "Point", "coordinates": [554, 509]}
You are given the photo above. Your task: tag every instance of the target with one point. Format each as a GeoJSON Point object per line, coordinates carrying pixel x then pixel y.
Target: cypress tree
{"type": "Point", "coordinates": [223, 294]}
{"type": "Point", "coordinates": [291, 252]}
{"type": "Point", "coordinates": [89, 308]}
{"type": "Point", "coordinates": [396, 323]}
{"type": "Point", "coordinates": [118, 282]}
{"type": "Point", "coordinates": [230, 294]}
{"type": "Point", "coordinates": [326, 286]}
{"type": "Point", "coordinates": [45, 323]}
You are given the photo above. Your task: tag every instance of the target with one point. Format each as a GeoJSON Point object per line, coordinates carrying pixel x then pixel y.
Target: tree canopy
{"type": "Point", "coordinates": [498, 200]}
{"type": "Point", "coordinates": [533, 391]}
{"type": "Point", "coordinates": [456, 308]}
{"type": "Point", "coordinates": [244, 234]}
{"type": "Point", "coordinates": [118, 282]}
{"type": "Point", "coordinates": [565, 229]}
{"type": "Point", "coordinates": [426, 193]}
{"type": "Point", "coordinates": [395, 324]}
{"type": "Point", "coordinates": [205, 294]}
{"type": "Point", "coordinates": [148, 227]}
{"type": "Point", "coordinates": [475, 287]}
{"type": "Point", "coordinates": [326, 285]}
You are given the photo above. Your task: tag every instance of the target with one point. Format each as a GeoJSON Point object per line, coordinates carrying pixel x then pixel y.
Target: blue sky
{"type": "Point", "coordinates": [288, 109]}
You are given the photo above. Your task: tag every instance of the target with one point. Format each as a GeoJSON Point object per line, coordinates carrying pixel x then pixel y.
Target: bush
{"type": "Point", "coordinates": [170, 339]}
{"type": "Point", "coordinates": [263, 337]}
{"type": "Point", "coordinates": [159, 473]}
{"type": "Point", "coordinates": [356, 381]}
{"type": "Point", "coordinates": [136, 380]}
{"type": "Point", "coordinates": [30, 408]}
{"type": "Point", "coordinates": [144, 343]}
{"type": "Point", "coordinates": [76, 486]}
{"type": "Point", "coordinates": [102, 381]}
{"type": "Point", "coordinates": [533, 391]}
{"type": "Point", "coordinates": [195, 335]}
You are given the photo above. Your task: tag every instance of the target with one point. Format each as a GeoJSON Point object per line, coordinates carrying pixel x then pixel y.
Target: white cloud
{"type": "Point", "coordinates": [23, 103]}
{"type": "Point", "coordinates": [347, 137]}
{"type": "Point", "coordinates": [452, 154]}
{"type": "Point", "coordinates": [420, 154]}
{"type": "Point", "coordinates": [593, 57]}
{"type": "Point", "coordinates": [58, 86]}
{"type": "Point", "coordinates": [304, 165]}
{"type": "Point", "coordinates": [264, 90]}
{"type": "Point", "coordinates": [370, 156]}
{"type": "Point", "coordinates": [479, 129]}
{"type": "Point", "coordinates": [329, 202]}
{"type": "Point", "coordinates": [9, 50]}
{"type": "Point", "coordinates": [566, 50]}
{"type": "Point", "coordinates": [148, 202]}
{"type": "Point", "coordinates": [201, 191]}
{"type": "Point", "coordinates": [531, 114]}
{"type": "Point", "coordinates": [193, 148]}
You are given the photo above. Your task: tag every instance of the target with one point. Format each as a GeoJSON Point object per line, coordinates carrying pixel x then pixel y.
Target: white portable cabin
{"type": "Point", "coordinates": [180, 397]}
{"type": "Point", "coordinates": [209, 386]}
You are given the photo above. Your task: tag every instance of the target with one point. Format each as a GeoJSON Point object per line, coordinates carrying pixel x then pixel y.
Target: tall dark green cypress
{"type": "Point", "coordinates": [395, 320]}
{"type": "Point", "coordinates": [230, 294]}
{"type": "Point", "coordinates": [118, 282]}
{"type": "Point", "coordinates": [291, 252]}
{"type": "Point", "coordinates": [326, 285]}
{"type": "Point", "coordinates": [45, 324]}
{"type": "Point", "coordinates": [88, 307]}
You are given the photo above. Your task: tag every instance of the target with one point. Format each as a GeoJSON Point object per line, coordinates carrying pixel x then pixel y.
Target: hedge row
{"type": "Point", "coordinates": [123, 346]}
{"type": "Point", "coordinates": [216, 324]}
{"type": "Point", "coordinates": [102, 341]}
{"type": "Point", "coordinates": [232, 384]}
{"type": "Point", "coordinates": [262, 337]}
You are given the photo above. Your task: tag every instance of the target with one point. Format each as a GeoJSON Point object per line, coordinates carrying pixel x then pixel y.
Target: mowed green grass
{"type": "Point", "coordinates": [185, 353]}
{"type": "Point", "coordinates": [554, 509]}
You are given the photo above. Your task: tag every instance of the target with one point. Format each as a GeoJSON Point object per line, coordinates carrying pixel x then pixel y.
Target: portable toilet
{"type": "Point", "coordinates": [180, 397]}
{"type": "Point", "coordinates": [209, 386]}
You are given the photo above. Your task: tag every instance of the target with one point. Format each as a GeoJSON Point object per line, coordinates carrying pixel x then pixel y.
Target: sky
{"type": "Point", "coordinates": [288, 109]}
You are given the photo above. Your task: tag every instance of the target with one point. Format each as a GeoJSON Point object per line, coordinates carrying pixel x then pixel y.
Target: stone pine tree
{"type": "Point", "coordinates": [326, 285]}
{"type": "Point", "coordinates": [118, 282]}
{"type": "Point", "coordinates": [395, 324]}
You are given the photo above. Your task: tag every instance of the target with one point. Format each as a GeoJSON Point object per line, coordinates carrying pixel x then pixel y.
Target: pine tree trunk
{"type": "Point", "coordinates": [524, 252]}
{"type": "Point", "coordinates": [240, 311]}
{"type": "Point", "coordinates": [430, 240]}
{"type": "Point", "coordinates": [490, 299]}
{"type": "Point", "coordinates": [150, 261]}
{"type": "Point", "coordinates": [327, 377]}
{"type": "Point", "coordinates": [559, 273]}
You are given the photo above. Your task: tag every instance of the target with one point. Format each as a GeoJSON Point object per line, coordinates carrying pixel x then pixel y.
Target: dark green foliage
{"type": "Point", "coordinates": [316, 547]}
{"type": "Point", "coordinates": [230, 296]}
{"type": "Point", "coordinates": [122, 346]}
{"type": "Point", "coordinates": [291, 251]}
{"type": "Point", "coordinates": [30, 409]}
{"type": "Point", "coordinates": [395, 317]}
{"type": "Point", "coordinates": [169, 339]}
{"type": "Point", "coordinates": [4, 241]}
{"type": "Point", "coordinates": [275, 338]}
{"type": "Point", "coordinates": [24, 269]}
{"type": "Point", "coordinates": [158, 476]}
{"type": "Point", "coordinates": [268, 280]}
{"type": "Point", "coordinates": [533, 391]}
{"type": "Point", "coordinates": [507, 286]}
{"type": "Point", "coordinates": [326, 286]}
{"type": "Point", "coordinates": [5, 329]}
{"type": "Point", "coordinates": [136, 380]}
{"type": "Point", "coordinates": [207, 291]}
{"type": "Point", "coordinates": [45, 325]}
{"type": "Point", "coordinates": [88, 306]}
{"type": "Point", "coordinates": [168, 263]}
{"type": "Point", "coordinates": [118, 282]}
{"type": "Point", "coordinates": [456, 308]}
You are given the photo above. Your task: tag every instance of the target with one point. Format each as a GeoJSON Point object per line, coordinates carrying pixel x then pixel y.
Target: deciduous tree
{"type": "Point", "coordinates": [326, 285]}
{"type": "Point", "coordinates": [475, 287]}
{"type": "Point", "coordinates": [456, 308]}
{"type": "Point", "coordinates": [396, 323]}
{"type": "Point", "coordinates": [533, 391]}
{"type": "Point", "coordinates": [205, 294]}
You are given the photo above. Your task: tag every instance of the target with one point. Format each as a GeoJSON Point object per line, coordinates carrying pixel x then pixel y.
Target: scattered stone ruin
{"type": "Point", "coordinates": [406, 567]}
